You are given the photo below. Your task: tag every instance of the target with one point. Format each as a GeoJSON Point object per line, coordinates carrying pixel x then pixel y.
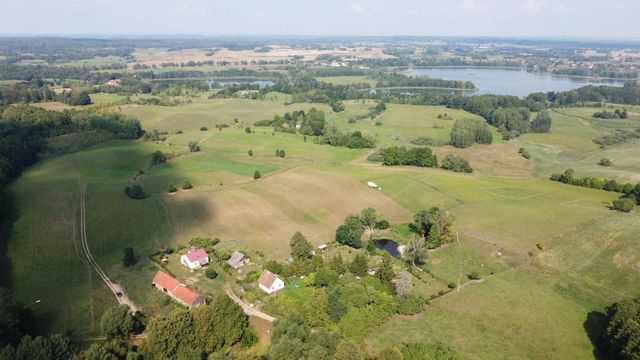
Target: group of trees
{"type": "Point", "coordinates": [355, 140]}
{"type": "Point", "coordinates": [621, 336]}
{"type": "Point", "coordinates": [38, 91]}
{"type": "Point", "coordinates": [468, 132]}
{"type": "Point", "coordinates": [399, 80]}
{"type": "Point", "coordinates": [351, 231]}
{"type": "Point", "coordinates": [434, 226]}
{"type": "Point", "coordinates": [456, 163]}
{"type": "Point", "coordinates": [625, 203]}
{"type": "Point", "coordinates": [191, 334]}
{"type": "Point", "coordinates": [422, 157]}
{"type": "Point", "coordinates": [618, 114]}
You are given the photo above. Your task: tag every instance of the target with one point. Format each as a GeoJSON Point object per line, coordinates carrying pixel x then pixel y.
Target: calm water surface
{"type": "Point", "coordinates": [507, 82]}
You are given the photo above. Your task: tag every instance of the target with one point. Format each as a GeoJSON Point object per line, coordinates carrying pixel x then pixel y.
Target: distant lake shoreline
{"type": "Point", "coordinates": [507, 81]}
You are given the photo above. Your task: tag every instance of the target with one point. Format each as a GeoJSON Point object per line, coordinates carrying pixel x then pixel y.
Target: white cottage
{"type": "Point", "coordinates": [270, 282]}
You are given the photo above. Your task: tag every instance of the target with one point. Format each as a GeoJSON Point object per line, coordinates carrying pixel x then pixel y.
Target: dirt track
{"type": "Point", "coordinates": [248, 309]}
{"type": "Point", "coordinates": [115, 288]}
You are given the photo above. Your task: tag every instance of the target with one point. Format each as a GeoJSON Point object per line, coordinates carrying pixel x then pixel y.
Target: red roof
{"type": "Point", "coordinates": [198, 255]}
{"type": "Point", "coordinates": [176, 289]}
{"type": "Point", "coordinates": [165, 281]}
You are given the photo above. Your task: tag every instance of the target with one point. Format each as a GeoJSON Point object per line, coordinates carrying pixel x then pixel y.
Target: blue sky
{"type": "Point", "coordinates": [571, 18]}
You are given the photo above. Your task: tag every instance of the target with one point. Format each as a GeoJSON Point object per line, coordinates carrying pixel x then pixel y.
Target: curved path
{"type": "Point", "coordinates": [115, 288]}
{"type": "Point", "coordinates": [248, 309]}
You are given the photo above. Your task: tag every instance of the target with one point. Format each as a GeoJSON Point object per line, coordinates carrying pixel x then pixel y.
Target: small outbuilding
{"type": "Point", "coordinates": [270, 282]}
{"type": "Point", "coordinates": [323, 247]}
{"type": "Point", "coordinates": [238, 260]}
{"type": "Point", "coordinates": [195, 259]}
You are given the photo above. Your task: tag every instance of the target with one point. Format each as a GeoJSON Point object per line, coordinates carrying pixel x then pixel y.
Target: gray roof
{"type": "Point", "coordinates": [236, 259]}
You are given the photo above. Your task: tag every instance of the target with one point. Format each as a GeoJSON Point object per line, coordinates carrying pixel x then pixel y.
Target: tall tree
{"type": "Point", "coordinates": [350, 233]}
{"type": "Point", "coordinates": [359, 265]}
{"type": "Point", "coordinates": [117, 322]}
{"type": "Point", "coordinates": [368, 217]}
{"type": "Point", "coordinates": [300, 247]}
{"type": "Point", "coordinates": [385, 272]}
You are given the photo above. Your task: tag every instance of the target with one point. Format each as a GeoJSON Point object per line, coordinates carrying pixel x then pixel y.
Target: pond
{"type": "Point", "coordinates": [389, 246]}
{"type": "Point", "coordinates": [507, 82]}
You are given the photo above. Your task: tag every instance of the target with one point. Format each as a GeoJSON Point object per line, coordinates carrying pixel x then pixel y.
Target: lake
{"type": "Point", "coordinates": [507, 82]}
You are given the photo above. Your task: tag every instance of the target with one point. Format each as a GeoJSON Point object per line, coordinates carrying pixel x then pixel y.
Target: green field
{"type": "Point", "coordinates": [531, 304]}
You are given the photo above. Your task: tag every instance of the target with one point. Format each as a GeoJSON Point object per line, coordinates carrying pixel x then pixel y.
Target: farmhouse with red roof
{"type": "Point", "coordinates": [177, 291]}
{"type": "Point", "coordinates": [195, 259]}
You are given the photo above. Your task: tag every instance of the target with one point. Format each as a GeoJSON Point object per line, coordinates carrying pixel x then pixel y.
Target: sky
{"type": "Point", "coordinates": [510, 18]}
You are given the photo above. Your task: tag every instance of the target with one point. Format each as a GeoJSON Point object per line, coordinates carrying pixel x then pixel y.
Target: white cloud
{"type": "Point", "coordinates": [356, 7]}
{"type": "Point", "coordinates": [531, 6]}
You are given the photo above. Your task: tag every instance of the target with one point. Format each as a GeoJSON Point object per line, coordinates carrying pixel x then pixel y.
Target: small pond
{"type": "Point", "coordinates": [389, 246]}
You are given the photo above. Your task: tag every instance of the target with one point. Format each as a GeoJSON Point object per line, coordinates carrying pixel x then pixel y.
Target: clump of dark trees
{"type": "Point", "coordinates": [618, 114]}
{"type": "Point", "coordinates": [625, 203]}
{"type": "Point", "coordinates": [620, 335]}
{"type": "Point", "coordinates": [422, 157]}
{"type": "Point", "coordinates": [468, 132]}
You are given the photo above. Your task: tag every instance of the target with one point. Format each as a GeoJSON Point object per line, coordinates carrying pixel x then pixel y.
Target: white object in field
{"type": "Point", "coordinates": [371, 184]}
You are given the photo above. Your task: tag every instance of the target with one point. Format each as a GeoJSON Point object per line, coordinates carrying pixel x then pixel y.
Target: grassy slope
{"type": "Point", "coordinates": [538, 297]}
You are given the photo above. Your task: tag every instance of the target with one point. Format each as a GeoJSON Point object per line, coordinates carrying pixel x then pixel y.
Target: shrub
{"type": "Point", "coordinates": [452, 285]}
{"type": "Point", "coordinates": [158, 158]}
{"type": "Point", "coordinates": [179, 132]}
{"type": "Point", "coordinates": [187, 185]}
{"type": "Point", "coordinates": [378, 123]}
{"type": "Point", "coordinates": [540, 246]}
{"type": "Point", "coordinates": [257, 175]}
{"type": "Point", "coordinates": [474, 275]}
{"type": "Point", "coordinates": [429, 141]}
{"type": "Point", "coordinates": [247, 130]}
{"type": "Point", "coordinates": [194, 147]}
{"type": "Point", "coordinates": [624, 204]}
{"type": "Point", "coordinates": [377, 156]}
{"type": "Point", "coordinates": [456, 163]}
{"type": "Point", "coordinates": [382, 224]}
{"type": "Point", "coordinates": [410, 304]}
{"type": "Point", "coordinates": [211, 273]}
{"type": "Point", "coordinates": [525, 153]}
{"type": "Point", "coordinates": [203, 128]}
{"type": "Point", "coordinates": [605, 162]}
{"type": "Point", "coordinates": [172, 188]}
{"type": "Point", "coordinates": [250, 153]}
{"type": "Point", "coordinates": [135, 192]}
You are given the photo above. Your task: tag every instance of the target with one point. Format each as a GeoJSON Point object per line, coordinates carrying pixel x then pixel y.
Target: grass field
{"type": "Point", "coordinates": [346, 80]}
{"type": "Point", "coordinates": [531, 304]}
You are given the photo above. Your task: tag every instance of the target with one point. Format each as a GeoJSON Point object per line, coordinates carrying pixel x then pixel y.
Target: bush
{"type": "Point", "coordinates": [467, 132]}
{"type": "Point", "coordinates": [158, 158]}
{"type": "Point", "coordinates": [203, 128]}
{"type": "Point", "coordinates": [377, 156]}
{"type": "Point", "coordinates": [452, 285]}
{"type": "Point", "coordinates": [135, 192]}
{"type": "Point", "coordinates": [456, 163]}
{"type": "Point", "coordinates": [624, 205]}
{"type": "Point", "coordinates": [474, 275]}
{"type": "Point", "coordinates": [540, 246]}
{"type": "Point", "coordinates": [382, 224]}
{"type": "Point", "coordinates": [257, 175]}
{"type": "Point", "coordinates": [172, 188]}
{"type": "Point", "coordinates": [211, 273]}
{"type": "Point", "coordinates": [525, 153]}
{"type": "Point", "coordinates": [425, 140]}
{"type": "Point", "coordinates": [378, 123]}
{"type": "Point", "coordinates": [187, 185]}
{"type": "Point", "coordinates": [410, 304]}
{"type": "Point", "coordinates": [605, 162]}
{"type": "Point", "coordinates": [194, 147]}
{"type": "Point", "coordinates": [247, 130]}
{"type": "Point", "coordinates": [250, 153]}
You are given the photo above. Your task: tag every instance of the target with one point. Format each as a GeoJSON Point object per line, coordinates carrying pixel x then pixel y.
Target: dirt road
{"type": "Point", "coordinates": [122, 298]}
{"type": "Point", "coordinates": [248, 309]}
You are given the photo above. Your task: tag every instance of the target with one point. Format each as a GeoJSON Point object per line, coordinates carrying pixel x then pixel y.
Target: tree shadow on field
{"type": "Point", "coordinates": [8, 216]}
{"type": "Point", "coordinates": [595, 325]}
